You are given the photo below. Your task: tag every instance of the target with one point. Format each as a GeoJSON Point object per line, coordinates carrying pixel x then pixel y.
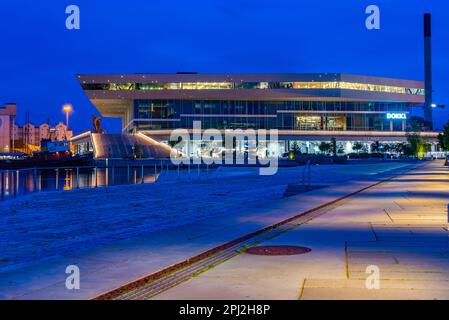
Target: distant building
{"type": "Point", "coordinates": [62, 132]}
{"type": "Point", "coordinates": [29, 136]}
{"type": "Point", "coordinates": [44, 131]}
{"type": "Point", "coordinates": [7, 115]}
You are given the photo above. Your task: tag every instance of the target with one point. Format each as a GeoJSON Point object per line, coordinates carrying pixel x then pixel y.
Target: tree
{"type": "Point", "coordinates": [295, 150]}
{"type": "Point", "coordinates": [399, 148]}
{"type": "Point", "coordinates": [357, 146]}
{"type": "Point", "coordinates": [325, 147]}
{"type": "Point", "coordinates": [295, 147]}
{"type": "Point", "coordinates": [334, 146]}
{"type": "Point", "coordinates": [340, 149]}
{"type": "Point", "coordinates": [417, 145]}
{"type": "Point", "coordinates": [385, 147]}
{"type": "Point", "coordinates": [443, 138]}
{"type": "Point", "coordinates": [375, 147]}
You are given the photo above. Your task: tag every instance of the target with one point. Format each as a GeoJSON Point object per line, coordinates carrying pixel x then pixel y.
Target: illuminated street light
{"type": "Point", "coordinates": [67, 108]}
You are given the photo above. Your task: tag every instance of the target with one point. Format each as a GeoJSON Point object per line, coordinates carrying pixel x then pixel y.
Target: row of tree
{"type": "Point", "coordinates": [416, 145]}
{"type": "Point", "coordinates": [444, 138]}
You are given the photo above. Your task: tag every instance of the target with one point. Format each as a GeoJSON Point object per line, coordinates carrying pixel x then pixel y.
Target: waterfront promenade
{"type": "Point", "coordinates": [118, 234]}
{"type": "Point", "coordinates": [399, 227]}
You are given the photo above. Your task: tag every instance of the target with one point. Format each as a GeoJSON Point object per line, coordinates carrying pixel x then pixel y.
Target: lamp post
{"type": "Point", "coordinates": [67, 108]}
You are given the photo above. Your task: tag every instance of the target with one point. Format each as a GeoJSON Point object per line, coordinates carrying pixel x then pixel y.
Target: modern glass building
{"type": "Point", "coordinates": [306, 108]}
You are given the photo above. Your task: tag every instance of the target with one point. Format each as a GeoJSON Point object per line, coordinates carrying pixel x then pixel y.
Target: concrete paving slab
{"type": "Point", "coordinates": [385, 284]}
{"type": "Point", "coordinates": [386, 294]}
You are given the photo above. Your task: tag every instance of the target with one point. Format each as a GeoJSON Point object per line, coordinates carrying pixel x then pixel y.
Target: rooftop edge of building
{"type": "Point", "coordinates": [246, 77]}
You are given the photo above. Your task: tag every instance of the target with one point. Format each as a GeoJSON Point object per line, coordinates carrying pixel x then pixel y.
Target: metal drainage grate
{"type": "Point", "coordinates": [277, 250]}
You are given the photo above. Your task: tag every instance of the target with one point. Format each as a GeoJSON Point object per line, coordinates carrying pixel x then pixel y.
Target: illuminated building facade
{"type": "Point", "coordinates": [306, 108]}
{"type": "Point", "coordinates": [7, 116]}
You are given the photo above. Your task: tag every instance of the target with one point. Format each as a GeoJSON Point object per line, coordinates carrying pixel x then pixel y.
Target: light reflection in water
{"type": "Point", "coordinates": [27, 181]}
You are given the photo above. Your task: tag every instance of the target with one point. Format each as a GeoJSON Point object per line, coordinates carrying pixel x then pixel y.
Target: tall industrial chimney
{"type": "Point", "coordinates": [428, 69]}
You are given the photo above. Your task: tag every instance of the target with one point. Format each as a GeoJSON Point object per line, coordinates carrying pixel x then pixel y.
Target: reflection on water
{"type": "Point", "coordinates": [21, 182]}
{"type": "Point", "coordinates": [14, 183]}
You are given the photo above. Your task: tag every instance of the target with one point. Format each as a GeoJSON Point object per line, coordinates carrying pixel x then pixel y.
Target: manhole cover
{"type": "Point", "coordinates": [278, 250]}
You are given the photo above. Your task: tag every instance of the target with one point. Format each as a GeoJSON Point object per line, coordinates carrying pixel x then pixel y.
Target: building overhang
{"type": "Point", "coordinates": [112, 108]}
{"type": "Point", "coordinates": [164, 135]}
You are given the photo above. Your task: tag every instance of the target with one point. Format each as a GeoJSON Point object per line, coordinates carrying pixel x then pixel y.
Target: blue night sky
{"type": "Point", "coordinates": [40, 57]}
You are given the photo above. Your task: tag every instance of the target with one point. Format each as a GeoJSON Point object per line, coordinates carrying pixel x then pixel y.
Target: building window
{"type": "Point", "coordinates": [309, 123]}
{"type": "Point", "coordinates": [337, 123]}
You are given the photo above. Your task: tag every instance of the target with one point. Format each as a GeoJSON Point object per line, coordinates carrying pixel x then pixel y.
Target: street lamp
{"type": "Point", "coordinates": [67, 108]}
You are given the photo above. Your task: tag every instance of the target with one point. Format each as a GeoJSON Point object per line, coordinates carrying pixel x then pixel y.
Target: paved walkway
{"type": "Point", "coordinates": [106, 267]}
{"type": "Point", "coordinates": [399, 226]}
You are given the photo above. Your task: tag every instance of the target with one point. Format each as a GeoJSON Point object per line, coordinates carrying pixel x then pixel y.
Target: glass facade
{"type": "Point", "coordinates": [252, 85]}
{"type": "Point", "coordinates": [284, 115]}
